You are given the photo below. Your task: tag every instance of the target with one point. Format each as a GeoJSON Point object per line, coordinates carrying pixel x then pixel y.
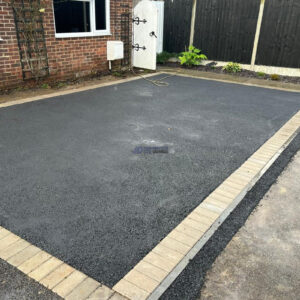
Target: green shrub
{"type": "Point", "coordinates": [45, 86]}
{"type": "Point", "coordinates": [261, 74]}
{"type": "Point", "coordinates": [163, 57]}
{"type": "Point", "coordinates": [193, 57]}
{"type": "Point", "coordinates": [61, 85]}
{"type": "Point", "coordinates": [232, 67]}
{"type": "Point", "coordinates": [275, 77]}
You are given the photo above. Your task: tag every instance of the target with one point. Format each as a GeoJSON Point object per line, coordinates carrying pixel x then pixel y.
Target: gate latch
{"type": "Point", "coordinates": [152, 33]}
{"type": "Point", "coordinates": [137, 47]}
{"type": "Point", "coordinates": [137, 21]}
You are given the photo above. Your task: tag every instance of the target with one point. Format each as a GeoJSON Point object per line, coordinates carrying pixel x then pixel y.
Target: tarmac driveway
{"type": "Point", "coordinates": [72, 184]}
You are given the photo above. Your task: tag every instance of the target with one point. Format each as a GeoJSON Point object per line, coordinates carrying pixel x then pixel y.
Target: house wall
{"type": "Point", "coordinates": [67, 57]}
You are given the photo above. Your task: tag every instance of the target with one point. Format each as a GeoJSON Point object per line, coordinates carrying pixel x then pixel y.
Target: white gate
{"type": "Point", "coordinates": [145, 25]}
{"type": "Point", "coordinates": [160, 5]}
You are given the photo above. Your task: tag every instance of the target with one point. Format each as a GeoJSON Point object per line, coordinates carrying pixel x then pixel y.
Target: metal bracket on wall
{"type": "Point", "coordinates": [137, 21]}
{"type": "Point", "coordinates": [137, 47]}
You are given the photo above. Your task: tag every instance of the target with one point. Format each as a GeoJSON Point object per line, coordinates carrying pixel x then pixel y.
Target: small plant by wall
{"type": "Point", "coordinates": [275, 77]}
{"type": "Point", "coordinates": [193, 57]}
{"type": "Point", "coordinates": [261, 74]}
{"type": "Point", "coordinates": [232, 67]}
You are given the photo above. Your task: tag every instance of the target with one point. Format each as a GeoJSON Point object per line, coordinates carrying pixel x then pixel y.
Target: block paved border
{"type": "Point", "coordinates": [151, 277]}
{"type": "Point", "coordinates": [51, 272]}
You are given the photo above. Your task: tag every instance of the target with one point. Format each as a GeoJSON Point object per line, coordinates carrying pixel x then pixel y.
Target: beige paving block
{"type": "Point", "coordinates": [167, 253]}
{"type": "Point", "coordinates": [252, 166]}
{"type": "Point", "coordinates": [57, 275]}
{"type": "Point", "coordinates": [212, 207]}
{"type": "Point", "coordinates": [215, 202]}
{"type": "Point", "coordinates": [245, 169]}
{"type": "Point", "coordinates": [182, 238]}
{"type": "Point", "coordinates": [235, 184]}
{"type": "Point", "coordinates": [45, 268]}
{"type": "Point", "coordinates": [66, 286]}
{"type": "Point", "coordinates": [34, 262]}
{"type": "Point", "coordinates": [275, 142]}
{"type": "Point", "coordinates": [237, 177]}
{"type": "Point", "coordinates": [159, 261]}
{"type": "Point", "coordinates": [271, 146]}
{"type": "Point", "coordinates": [257, 161]}
{"type": "Point", "coordinates": [116, 296]}
{"type": "Point", "coordinates": [220, 195]}
{"type": "Point", "coordinates": [190, 231]}
{"type": "Point", "coordinates": [194, 215]}
{"type": "Point", "coordinates": [206, 212]}
{"type": "Point", "coordinates": [226, 192]}
{"type": "Point", "coordinates": [151, 270]}
{"type": "Point", "coordinates": [282, 134]}
{"type": "Point", "coordinates": [3, 233]}
{"type": "Point", "coordinates": [229, 188]}
{"type": "Point", "coordinates": [23, 255]}
{"type": "Point", "coordinates": [195, 224]}
{"type": "Point", "coordinates": [261, 157]}
{"type": "Point", "coordinates": [83, 290]}
{"type": "Point", "coordinates": [265, 151]}
{"type": "Point", "coordinates": [8, 240]}
{"type": "Point", "coordinates": [131, 291]}
{"type": "Point", "coordinates": [141, 280]}
{"type": "Point", "coordinates": [256, 165]}
{"type": "Point", "coordinates": [175, 245]}
{"type": "Point", "coordinates": [103, 293]}
{"type": "Point", "coordinates": [244, 174]}
{"type": "Point", "coordinates": [13, 249]}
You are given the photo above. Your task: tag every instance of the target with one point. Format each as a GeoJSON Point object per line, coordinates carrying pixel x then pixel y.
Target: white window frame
{"type": "Point", "coordinates": [93, 31]}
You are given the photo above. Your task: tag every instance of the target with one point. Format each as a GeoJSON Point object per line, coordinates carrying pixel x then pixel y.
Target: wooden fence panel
{"type": "Point", "coordinates": [177, 24]}
{"type": "Point", "coordinates": [225, 30]}
{"type": "Point", "coordinates": [279, 43]}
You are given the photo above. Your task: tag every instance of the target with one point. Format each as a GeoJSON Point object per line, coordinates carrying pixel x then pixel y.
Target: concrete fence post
{"type": "Point", "coordinates": [257, 33]}
{"type": "Point", "coordinates": [193, 19]}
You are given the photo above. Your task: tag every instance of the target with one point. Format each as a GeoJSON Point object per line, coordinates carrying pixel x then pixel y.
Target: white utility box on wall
{"type": "Point", "coordinates": [115, 50]}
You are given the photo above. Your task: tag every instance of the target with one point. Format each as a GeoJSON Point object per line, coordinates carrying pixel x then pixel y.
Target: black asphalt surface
{"type": "Point", "coordinates": [71, 184]}
{"type": "Point", "coordinates": [188, 284]}
{"type": "Point", "coordinates": [15, 285]}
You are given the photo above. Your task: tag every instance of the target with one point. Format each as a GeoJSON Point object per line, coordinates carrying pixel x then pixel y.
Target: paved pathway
{"type": "Point", "coordinates": [263, 259]}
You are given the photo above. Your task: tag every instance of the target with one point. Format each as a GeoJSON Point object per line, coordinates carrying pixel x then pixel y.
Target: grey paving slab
{"type": "Point", "coordinates": [71, 184]}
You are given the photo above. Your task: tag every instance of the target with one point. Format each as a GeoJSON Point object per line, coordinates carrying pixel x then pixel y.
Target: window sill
{"type": "Point", "coordinates": [81, 34]}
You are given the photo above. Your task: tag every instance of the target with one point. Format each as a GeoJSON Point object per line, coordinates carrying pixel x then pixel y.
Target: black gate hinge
{"type": "Point", "coordinates": [137, 47]}
{"type": "Point", "coordinates": [137, 21]}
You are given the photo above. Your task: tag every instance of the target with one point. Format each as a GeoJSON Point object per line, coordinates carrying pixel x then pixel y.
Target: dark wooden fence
{"type": "Point", "coordinates": [177, 25]}
{"type": "Point", "coordinates": [279, 43]}
{"type": "Point", "coordinates": [225, 30]}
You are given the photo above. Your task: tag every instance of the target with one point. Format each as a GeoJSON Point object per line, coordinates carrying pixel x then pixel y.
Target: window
{"type": "Point", "coordinates": [75, 18]}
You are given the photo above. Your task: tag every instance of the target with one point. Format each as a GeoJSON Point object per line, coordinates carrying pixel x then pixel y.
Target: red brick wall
{"type": "Point", "coordinates": [67, 57]}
